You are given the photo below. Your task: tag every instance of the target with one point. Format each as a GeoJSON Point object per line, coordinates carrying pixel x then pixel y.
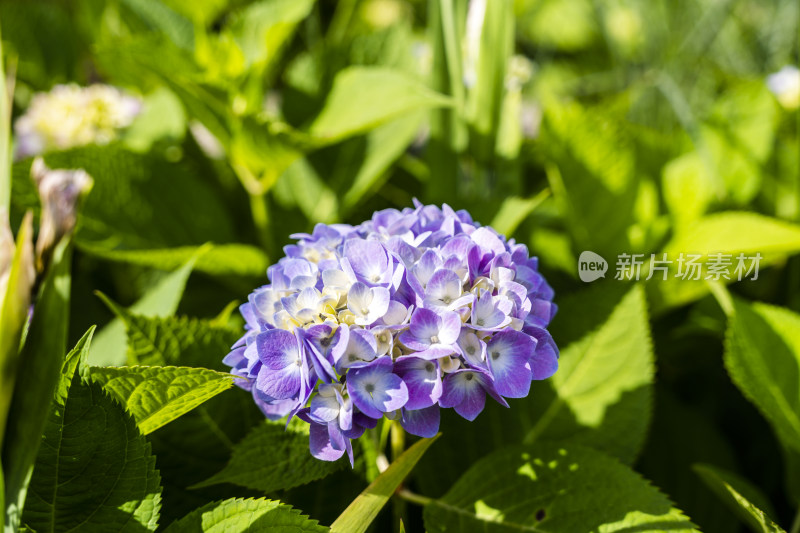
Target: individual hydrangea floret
{"type": "Point", "coordinates": [70, 115]}
{"type": "Point", "coordinates": [407, 313]}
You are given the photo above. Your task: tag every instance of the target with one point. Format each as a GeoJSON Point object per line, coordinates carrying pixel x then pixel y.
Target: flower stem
{"type": "Point", "coordinates": [413, 497]}
{"type": "Point", "coordinates": [796, 523]}
{"type": "Point", "coordinates": [258, 209]}
{"type": "Point", "coordinates": [398, 443]}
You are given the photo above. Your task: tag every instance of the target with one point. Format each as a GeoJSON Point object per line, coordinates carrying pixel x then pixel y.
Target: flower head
{"type": "Point", "coordinates": [70, 115]}
{"type": "Point", "coordinates": [407, 313]}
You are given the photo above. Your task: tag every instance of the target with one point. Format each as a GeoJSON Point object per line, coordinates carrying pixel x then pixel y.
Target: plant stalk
{"type": "Point", "coordinates": [398, 444]}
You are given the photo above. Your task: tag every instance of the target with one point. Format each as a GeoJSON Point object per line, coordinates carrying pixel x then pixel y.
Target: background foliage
{"type": "Point", "coordinates": [630, 126]}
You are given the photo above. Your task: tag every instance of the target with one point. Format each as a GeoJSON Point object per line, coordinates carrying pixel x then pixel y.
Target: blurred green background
{"type": "Point", "coordinates": [605, 125]}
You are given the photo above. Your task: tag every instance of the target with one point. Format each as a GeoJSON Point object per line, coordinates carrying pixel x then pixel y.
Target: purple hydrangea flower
{"type": "Point", "coordinates": [410, 312]}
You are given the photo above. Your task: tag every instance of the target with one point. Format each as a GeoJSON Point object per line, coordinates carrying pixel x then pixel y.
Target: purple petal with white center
{"type": "Point", "coordinates": [488, 240]}
{"type": "Point", "coordinates": [280, 384]}
{"type": "Point", "coordinates": [361, 348]}
{"type": "Point", "coordinates": [464, 392]}
{"type": "Point", "coordinates": [368, 259]}
{"type": "Point", "coordinates": [421, 422]}
{"type": "Point", "coordinates": [450, 327]}
{"type": "Point", "coordinates": [277, 349]}
{"type": "Point", "coordinates": [472, 348]}
{"type": "Point", "coordinates": [324, 409]}
{"type": "Point", "coordinates": [508, 353]}
{"type": "Point", "coordinates": [375, 390]}
{"type": "Point", "coordinates": [423, 379]}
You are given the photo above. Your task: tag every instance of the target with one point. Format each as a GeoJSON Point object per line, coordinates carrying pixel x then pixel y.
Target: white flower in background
{"type": "Point", "coordinates": [785, 85]}
{"type": "Point", "coordinates": [70, 115]}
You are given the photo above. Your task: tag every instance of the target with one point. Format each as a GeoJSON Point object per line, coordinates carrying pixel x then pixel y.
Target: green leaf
{"type": "Point", "coordinates": [762, 355]}
{"type": "Point", "coordinates": [37, 378]}
{"type": "Point", "coordinates": [514, 210]}
{"type": "Point", "coordinates": [273, 457]}
{"type": "Point", "coordinates": [5, 137]}
{"type": "Point", "coordinates": [162, 117]}
{"type": "Point", "coordinates": [14, 306]}
{"type": "Point", "coordinates": [263, 28]}
{"type": "Point", "coordinates": [603, 393]}
{"type": "Point", "coordinates": [138, 201]}
{"type": "Point", "coordinates": [739, 495]}
{"type": "Point", "coordinates": [163, 19]}
{"type": "Point", "coordinates": [548, 488]}
{"type": "Point", "coordinates": [363, 98]}
{"type": "Point", "coordinates": [157, 395]}
{"type": "Point", "coordinates": [360, 514]}
{"type": "Point", "coordinates": [729, 232]}
{"type": "Point", "coordinates": [94, 470]}
{"type": "Point", "coordinates": [384, 145]}
{"type": "Point", "coordinates": [161, 300]}
{"type": "Point", "coordinates": [175, 340]}
{"type": "Point", "coordinates": [592, 175]}
{"type": "Point", "coordinates": [216, 260]}
{"type": "Point", "coordinates": [241, 516]}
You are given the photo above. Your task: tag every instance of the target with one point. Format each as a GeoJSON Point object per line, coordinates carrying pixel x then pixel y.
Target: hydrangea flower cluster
{"type": "Point", "coordinates": [409, 312]}
{"type": "Point", "coordinates": [70, 115]}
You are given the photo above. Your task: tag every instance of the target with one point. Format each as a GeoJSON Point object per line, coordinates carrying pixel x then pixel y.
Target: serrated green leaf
{"type": "Point", "coordinates": [363, 98]}
{"type": "Point", "coordinates": [272, 458]}
{"type": "Point", "coordinates": [240, 516]}
{"type": "Point", "coordinates": [548, 488]}
{"type": "Point", "coordinates": [37, 378]}
{"type": "Point", "coordinates": [175, 340]}
{"type": "Point", "coordinates": [161, 300]}
{"type": "Point", "coordinates": [602, 388]}
{"type": "Point", "coordinates": [94, 470]}
{"type": "Point", "coordinates": [360, 514]}
{"type": "Point", "coordinates": [762, 355]}
{"type": "Point", "coordinates": [218, 260]}
{"type": "Point", "coordinates": [592, 175]}
{"type": "Point", "coordinates": [600, 397]}
{"type": "Point", "coordinates": [137, 200]}
{"type": "Point", "coordinates": [729, 232]}
{"type": "Point", "coordinates": [739, 495]}
{"type": "Point", "coordinates": [157, 395]}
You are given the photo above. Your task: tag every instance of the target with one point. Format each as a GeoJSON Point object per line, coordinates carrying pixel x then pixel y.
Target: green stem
{"type": "Point", "coordinates": [260, 213]}
{"type": "Point", "coordinates": [413, 497]}
{"type": "Point", "coordinates": [398, 443]}
{"type": "Point", "coordinates": [796, 523]}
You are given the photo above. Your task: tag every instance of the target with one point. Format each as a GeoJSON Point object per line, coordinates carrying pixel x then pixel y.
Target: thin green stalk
{"type": "Point", "coordinates": [341, 20]}
{"type": "Point", "coordinates": [413, 497]}
{"type": "Point", "coordinates": [260, 213]}
{"type": "Point", "coordinates": [796, 523]}
{"type": "Point", "coordinates": [398, 443]}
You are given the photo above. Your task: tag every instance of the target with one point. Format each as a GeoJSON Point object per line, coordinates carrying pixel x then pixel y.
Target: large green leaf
{"type": "Point", "coordinates": [740, 496]}
{"type": "Point", "coordinates": [360, 514]}
{"type": "Point", "coordinates": [363, 98]}
{"type": "Point", "coordinates": [600, 397]}
{"type": "Point", "coordinates": [175, 340]}
{"type": "Point", "coordinates": [94, 470]}
{"type": "Point", "coordinates": [37, 378]}
{"type": "Point", "coordinates": [161, 300]}
{"type": "Point", "coordinates": [245, 516]}
{"type": "Point", "coordinates": [731, 233]}
{"type": "Point", "coordinates": [137, 200]}
{"type": "Point", "coordinates": [273, 457]}
{"type": "Point", "coordinates": [602, 388]}
{"type": "Point", "coordinates": [762, 355]}
{"type": "Point", "coordinates": [592, 175]}
{"type": "Point", "coordinates": [548, 488]}
{"type": "Point", "coordinates": [220, 260]}
{"type": "Point", "coordinates": [163, 19]}
{"type": "Point", "coordinates": [157, 395]}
